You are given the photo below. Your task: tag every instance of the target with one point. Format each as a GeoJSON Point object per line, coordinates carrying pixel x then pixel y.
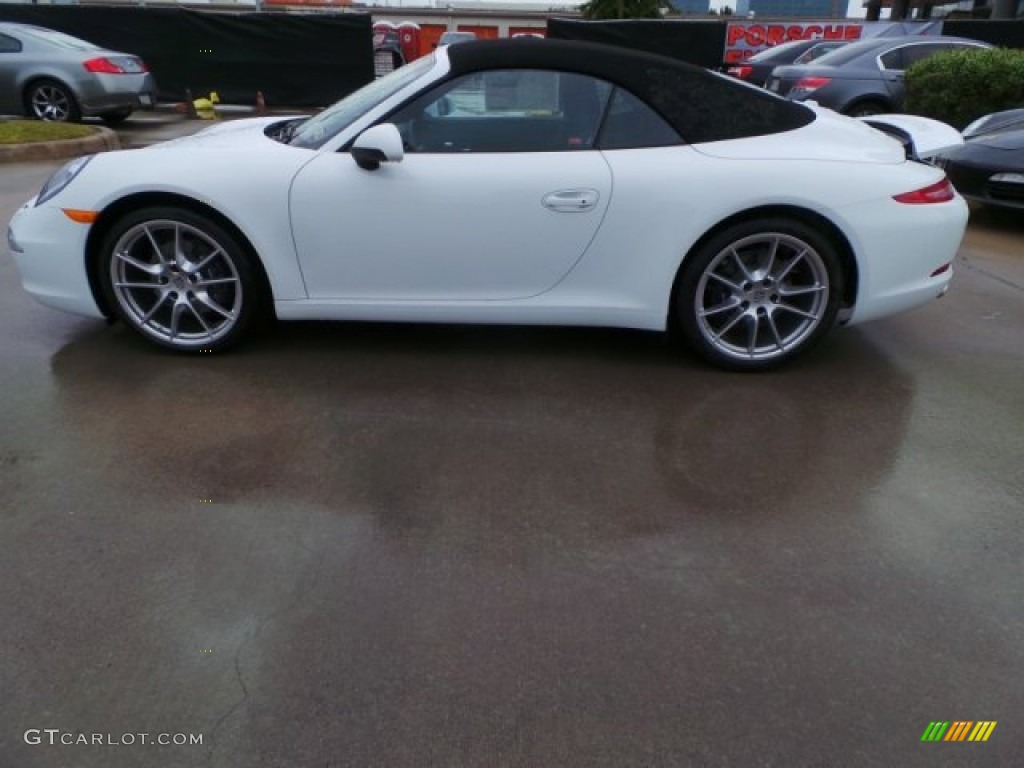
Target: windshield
{"type": "Point", "coordinates": [59, 39]}
{"type": "Point", "coordinates": [320, 129]}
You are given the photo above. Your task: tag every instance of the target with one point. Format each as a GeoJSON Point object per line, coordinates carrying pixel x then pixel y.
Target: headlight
{"type": "Point", "coordinates": [62, 178]}
{"type": "Point", "coordinates": [12, 243]}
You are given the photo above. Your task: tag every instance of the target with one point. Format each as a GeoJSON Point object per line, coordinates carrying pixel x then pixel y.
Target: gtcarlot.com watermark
{"type": "Point", "coordinates": [55, 737]}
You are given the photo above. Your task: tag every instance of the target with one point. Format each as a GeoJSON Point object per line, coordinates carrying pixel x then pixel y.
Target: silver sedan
{"type": "Point", "coordinates": [52, 76]}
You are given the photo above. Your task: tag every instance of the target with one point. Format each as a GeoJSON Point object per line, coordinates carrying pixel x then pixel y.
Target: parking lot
{"type": "Point", "coordinates": [353, 545]}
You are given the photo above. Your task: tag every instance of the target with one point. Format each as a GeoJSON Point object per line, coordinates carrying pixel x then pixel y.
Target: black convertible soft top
{"type": "Point", "coordinates": [699, 104]}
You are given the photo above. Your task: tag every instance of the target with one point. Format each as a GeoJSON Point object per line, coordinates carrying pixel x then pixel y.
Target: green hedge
{"type": "Point", "coordinates": [960, 86]}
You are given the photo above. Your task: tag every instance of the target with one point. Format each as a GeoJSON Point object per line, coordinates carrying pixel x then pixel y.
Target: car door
{"type": "Point", "coordinates": [896, 62]}
{"type": "Point", "coordinates": [10, 54]}
{"type": "Point", "coordinates": [498, 195]}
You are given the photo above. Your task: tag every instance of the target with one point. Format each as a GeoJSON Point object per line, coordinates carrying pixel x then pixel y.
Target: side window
{"type": "Point", "coordinates": [915, 53]}
{"type": "Point", "coordinates": [893, 59]}
{"type": "Point", "coordinates": [631, 124]}
{"type": "Point", "coordinates": [506, 111]}
{"type": "Point", "coordinates": [9, 44]}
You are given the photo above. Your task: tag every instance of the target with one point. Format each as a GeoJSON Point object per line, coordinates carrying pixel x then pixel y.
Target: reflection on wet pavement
{"type": "Point", "coordinates": [407, 546]}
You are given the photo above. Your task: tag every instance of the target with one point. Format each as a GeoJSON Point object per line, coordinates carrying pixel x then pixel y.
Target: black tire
{"type": "Point", "coordinates": [117, 117]}
{"type": "Point", "coordinates": [759, 293]}
{"type": "Point", "coordinates": [202, 299]}
{"type": "Point", "coordinates": [866, 109]}
{"type": "Point", "coordinates": [52, 101]}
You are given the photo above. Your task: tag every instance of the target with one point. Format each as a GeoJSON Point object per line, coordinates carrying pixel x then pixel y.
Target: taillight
{"type": "Point", "coordinates": [741, 72]}
{"type": "Point", "coordinates": [811, 83]}
{"type": "Point", "coordinates": [102, 66]}
{"type": "Point", "coordinates": [118, 65]}
{"type": "Point", "coordinates": [939, 192]}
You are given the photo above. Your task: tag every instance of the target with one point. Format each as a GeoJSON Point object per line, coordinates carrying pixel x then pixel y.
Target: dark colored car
{"type": "Point", "coordinates": [52, 76]}
{"type": "Point", "coordinates": [989, 167]}
{"type": "Point", "coordinates": [758, 67]}
{"type": "Point", "coordinates": [864, 77]}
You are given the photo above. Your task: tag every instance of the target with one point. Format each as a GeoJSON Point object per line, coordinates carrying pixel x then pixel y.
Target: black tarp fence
{"type": "Point", "coordinates": [1008, 33]}
{"type": "Point", "coordinates": [295, 60]}
{"type": "Point", "coordinates": [696, 42]}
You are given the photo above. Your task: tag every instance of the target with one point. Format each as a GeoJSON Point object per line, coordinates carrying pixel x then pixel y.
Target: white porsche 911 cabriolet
{"type": "Point", "coordinates": [520, 181]}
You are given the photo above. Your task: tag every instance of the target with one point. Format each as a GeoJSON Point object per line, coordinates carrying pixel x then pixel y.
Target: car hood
{"type": "Point", "coordinates": [830, 137]}
{"type": "Point", "coordinates": [229, 135]}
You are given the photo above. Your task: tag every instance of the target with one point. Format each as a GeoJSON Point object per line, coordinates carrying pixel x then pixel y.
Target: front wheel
{"type": "Point", "coordinates": [759, 293]}
{"type": "Point", "coordinates": [179, 279]}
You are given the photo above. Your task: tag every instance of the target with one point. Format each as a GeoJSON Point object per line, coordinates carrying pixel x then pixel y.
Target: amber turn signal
{"type": "Point", "coordinates": [82, 217]}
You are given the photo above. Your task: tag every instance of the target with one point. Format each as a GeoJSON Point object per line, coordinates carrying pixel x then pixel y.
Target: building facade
{"type": "Point", "coordinates": [798, 9]}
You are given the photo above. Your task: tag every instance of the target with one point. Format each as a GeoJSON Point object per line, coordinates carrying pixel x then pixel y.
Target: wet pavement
{"type": "Point", "coordinates": [354, 545]}
{"type": "Point", "coordinates": [145, 128]}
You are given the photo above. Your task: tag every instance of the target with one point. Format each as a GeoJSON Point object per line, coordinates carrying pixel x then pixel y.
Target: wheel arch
{"type": "Point", "coordinates": [113, 212]}
{"type": "Point", "coordinates": [851, 274]}
{"type": "Point", "coordinates": [882, 100]}
{"type": "Point", "coordinates": [42, 77]}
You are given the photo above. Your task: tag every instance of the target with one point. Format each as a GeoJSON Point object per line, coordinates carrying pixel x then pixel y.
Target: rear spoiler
{"type": "Point", "coordinates": [922, 138]}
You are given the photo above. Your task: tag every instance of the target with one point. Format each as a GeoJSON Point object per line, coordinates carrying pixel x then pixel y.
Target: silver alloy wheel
{"type": "Point", "coordinates": [176, 283]}
{"type": "Point", "coordinates": [51, 102]}
{"type": "Point", "coordinates": [761, 296]}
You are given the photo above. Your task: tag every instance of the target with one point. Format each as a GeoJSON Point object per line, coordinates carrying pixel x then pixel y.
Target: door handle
{"type": "Point", "coordinates": [571, 200]}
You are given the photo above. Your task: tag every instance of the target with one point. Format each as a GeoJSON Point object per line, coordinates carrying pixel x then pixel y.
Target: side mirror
{"type": "Point", "coordinates": [379, 144]}
{"type": "Point", "coordinates": [440, 108]}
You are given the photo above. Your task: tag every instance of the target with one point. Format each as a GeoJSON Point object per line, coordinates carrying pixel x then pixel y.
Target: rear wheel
{"type": "Point", "coordinates": [52, 101]}
{"type": "Point", "coordinates": [759, 293]}
{"type": "Point", "coordinates": [866, 109]}
{"type": "Point", "coordinates": [179, 279]}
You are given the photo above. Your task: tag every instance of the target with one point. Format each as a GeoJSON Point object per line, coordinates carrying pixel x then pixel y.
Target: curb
{"type": "Point", "coordinates": [102, 141]}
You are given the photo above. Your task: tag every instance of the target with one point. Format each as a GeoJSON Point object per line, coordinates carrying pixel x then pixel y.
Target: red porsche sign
{"type": "Point", "coordinates": [744, 39]}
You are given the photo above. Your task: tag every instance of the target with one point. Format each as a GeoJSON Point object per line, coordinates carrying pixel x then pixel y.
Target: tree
{"type": "Point", "coordinates": [622, 9]}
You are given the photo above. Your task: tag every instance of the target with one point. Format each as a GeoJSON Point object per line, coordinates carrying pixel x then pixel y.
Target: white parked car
{"type": "Point", "coordinates": [514, 181]}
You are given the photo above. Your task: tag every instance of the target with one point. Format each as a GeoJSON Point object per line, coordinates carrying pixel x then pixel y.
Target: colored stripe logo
{"type": "Point", "coordinates": [959, 730]}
